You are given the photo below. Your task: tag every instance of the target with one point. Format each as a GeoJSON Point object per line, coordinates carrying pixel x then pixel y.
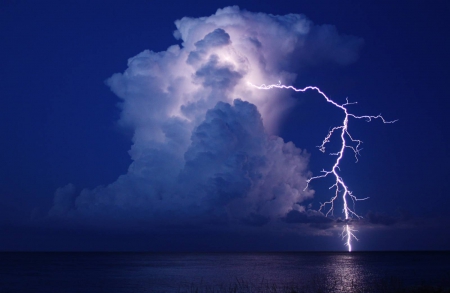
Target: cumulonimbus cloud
{"type": "Point", "coordinates": [204, 147]}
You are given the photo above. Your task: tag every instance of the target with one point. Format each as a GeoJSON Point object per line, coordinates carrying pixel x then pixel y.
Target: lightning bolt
{"type": "Point", "coordinates": [347, 141]}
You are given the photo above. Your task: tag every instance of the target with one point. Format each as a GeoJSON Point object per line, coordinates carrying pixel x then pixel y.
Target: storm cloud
{"type": "Point", "coordinates": [205, 148]}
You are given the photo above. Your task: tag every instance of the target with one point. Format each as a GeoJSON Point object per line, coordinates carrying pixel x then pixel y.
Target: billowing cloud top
{"type": "Point", "coordinates": [204, 149]}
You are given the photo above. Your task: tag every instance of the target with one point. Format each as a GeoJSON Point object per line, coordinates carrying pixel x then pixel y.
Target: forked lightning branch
{"type": "Point", "coordinates": [347, 142]}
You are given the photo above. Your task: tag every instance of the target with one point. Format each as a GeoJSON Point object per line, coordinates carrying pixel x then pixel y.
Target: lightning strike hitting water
{"type": "Point", "coordinates": [339, 185]}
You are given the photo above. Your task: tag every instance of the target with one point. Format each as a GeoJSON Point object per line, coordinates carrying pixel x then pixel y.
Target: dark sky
{"type": "Point", "coordinates": [62, 122]}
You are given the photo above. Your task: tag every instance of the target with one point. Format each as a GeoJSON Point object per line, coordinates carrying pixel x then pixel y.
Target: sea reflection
{"type": "Point", "coordinates": [307, 272]}
{"type": "Point", "coordinates": [262, 272]}
{"type": "Point", "coordinates": [222, 272]}
{"type": "Point", "coordinates": [345, 274]}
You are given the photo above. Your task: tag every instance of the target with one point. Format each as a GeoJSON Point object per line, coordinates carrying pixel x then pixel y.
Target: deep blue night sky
{"type": "Point", "coordinates": [59, 123]}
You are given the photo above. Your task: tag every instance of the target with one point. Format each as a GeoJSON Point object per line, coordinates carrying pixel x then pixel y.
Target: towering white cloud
{"type": "Point", "coordinates": [204, 145]}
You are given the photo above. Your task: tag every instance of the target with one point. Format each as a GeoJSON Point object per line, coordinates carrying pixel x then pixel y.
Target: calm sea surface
{"type": "Point", "coordinates": [218, 272]}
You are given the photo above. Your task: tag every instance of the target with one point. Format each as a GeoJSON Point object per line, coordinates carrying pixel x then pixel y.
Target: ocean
{"type": "Point", "coordinates": [223, 272]}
